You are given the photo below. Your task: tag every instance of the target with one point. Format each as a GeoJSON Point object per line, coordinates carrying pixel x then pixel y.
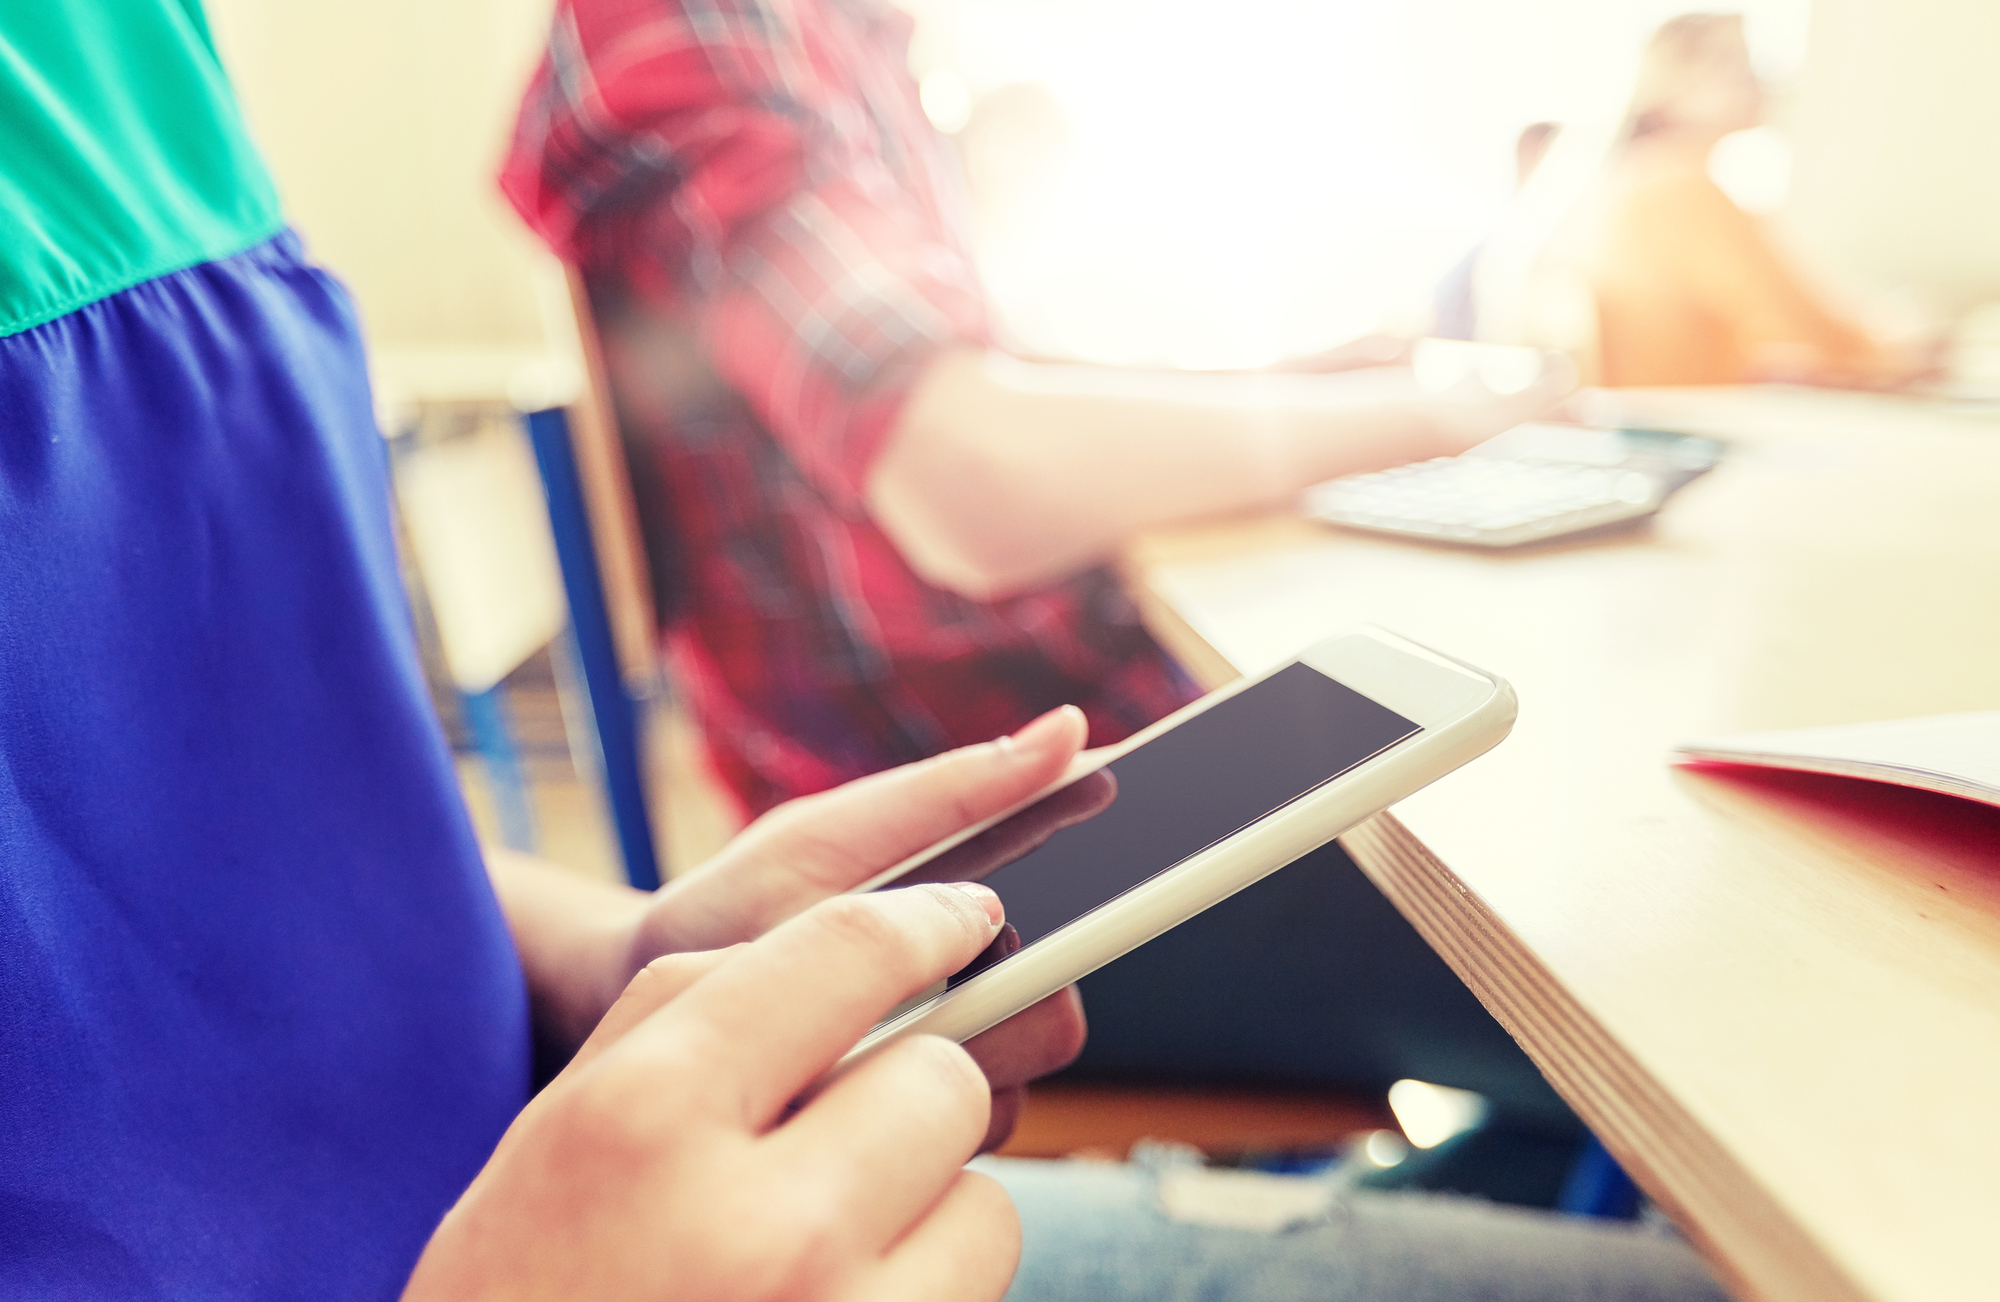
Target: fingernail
{"type": "Point", "coordinates": [996, 912]}
{"type": "Point", "coordinates": [1043, 731]}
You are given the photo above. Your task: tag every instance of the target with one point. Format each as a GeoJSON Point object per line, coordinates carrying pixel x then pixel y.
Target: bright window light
{"type": "Point", "coordinates": [1227, 185]}
{"type": "Point", "coordinates": [1430, 1114]}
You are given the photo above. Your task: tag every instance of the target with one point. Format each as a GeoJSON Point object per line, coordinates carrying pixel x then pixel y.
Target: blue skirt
{"type": "Point", "coordinates": [260, 1017]}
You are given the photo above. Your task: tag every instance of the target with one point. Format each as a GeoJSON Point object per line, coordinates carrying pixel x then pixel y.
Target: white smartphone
{"type": "Point", "coordinates": [1139, 837]}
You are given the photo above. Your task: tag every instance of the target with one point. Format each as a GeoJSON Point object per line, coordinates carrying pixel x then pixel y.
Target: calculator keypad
{"type": "Point", "coordinates": [1486, 502]}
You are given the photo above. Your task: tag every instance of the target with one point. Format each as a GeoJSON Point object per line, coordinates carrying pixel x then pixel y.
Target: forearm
{"type": "Point", "coordinates": [1001, 475]}
{"type": "Point", "coordinates": [575, 939]}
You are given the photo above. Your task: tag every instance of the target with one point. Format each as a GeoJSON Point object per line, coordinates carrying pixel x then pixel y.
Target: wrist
{"type": "Point", "coordinates": [574, 982]}
{"type": "Point", "coordinates": [612, 950]}
{"type": "Point", "coordinates": [576, 940]}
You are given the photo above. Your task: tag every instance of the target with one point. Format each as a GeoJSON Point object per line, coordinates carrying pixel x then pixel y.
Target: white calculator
{"type": "Point", "coordinates": [1534, 482]}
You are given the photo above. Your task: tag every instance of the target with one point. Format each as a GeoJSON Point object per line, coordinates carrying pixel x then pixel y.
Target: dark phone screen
{"type": "Point", "coordinates": [1176, 795]}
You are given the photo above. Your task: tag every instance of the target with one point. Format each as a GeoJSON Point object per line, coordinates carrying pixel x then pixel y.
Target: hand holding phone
{"type": "Point", "coordinates": [1142, 836]}
{"type": "Point", "coordinates": [673, 1158]}
{"type": "Point", "coordinates": [824, 845]}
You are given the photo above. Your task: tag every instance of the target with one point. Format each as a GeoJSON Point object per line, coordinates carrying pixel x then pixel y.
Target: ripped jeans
{"type": "Point", "coordinates": [1149, 1231]}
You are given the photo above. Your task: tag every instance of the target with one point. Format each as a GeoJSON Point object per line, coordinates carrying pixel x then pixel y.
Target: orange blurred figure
{"type": "Point", "coordinates": [1687, 287]}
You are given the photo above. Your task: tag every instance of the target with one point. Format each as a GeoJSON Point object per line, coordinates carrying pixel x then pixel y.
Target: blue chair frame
{"type": "Point", "coordinates": [616, 714]}
{"type": "Point", "coordinates": [1598, 1186]}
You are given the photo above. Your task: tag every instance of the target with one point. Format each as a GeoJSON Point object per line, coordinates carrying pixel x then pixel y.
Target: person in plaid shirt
{"type": "Point", "coordinates": [879, 536]}
{"type": "Point", "coordinates": [875, 536]}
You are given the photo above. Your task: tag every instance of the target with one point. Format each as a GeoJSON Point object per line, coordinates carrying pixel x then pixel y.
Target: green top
{"type": "Point", "coordinates": [123, 155]}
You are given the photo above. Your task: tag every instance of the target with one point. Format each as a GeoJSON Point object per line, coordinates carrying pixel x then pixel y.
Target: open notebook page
{"type": "Point", "coordinates": [1957, 754]}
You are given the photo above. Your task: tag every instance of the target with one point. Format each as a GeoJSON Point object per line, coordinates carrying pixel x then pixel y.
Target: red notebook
{"type": "Point", "coordinates": [1954, 754]}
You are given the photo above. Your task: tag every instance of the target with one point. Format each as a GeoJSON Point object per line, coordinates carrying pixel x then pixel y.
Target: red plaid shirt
{"type": "Point", "coordinates": [772, 234]}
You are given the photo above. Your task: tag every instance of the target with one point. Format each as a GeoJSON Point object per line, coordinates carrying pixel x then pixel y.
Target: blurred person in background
{"type": "Point", "coordinates": [1454, 310]}
{"type": "Point", "coordinates": [878, 534]}
{"type": "Point", "coordinates": [1652, 273]}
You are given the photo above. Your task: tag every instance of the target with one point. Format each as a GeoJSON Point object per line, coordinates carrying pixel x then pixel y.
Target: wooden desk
{"type": "Point", "coordinates": [1782, 1013]}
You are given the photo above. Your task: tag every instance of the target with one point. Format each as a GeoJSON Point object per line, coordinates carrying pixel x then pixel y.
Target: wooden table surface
{"type": "Point", "coordinates": [1776, 998]}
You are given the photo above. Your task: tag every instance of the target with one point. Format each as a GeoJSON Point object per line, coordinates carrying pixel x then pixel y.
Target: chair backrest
{"type": "Point", "coordinates": [607, 486]}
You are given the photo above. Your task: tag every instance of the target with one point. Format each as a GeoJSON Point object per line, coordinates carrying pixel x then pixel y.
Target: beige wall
{"type": "Point", "coordinates": [384, 121]}
{"type": "Point", "coordinates": [1896, 181]}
